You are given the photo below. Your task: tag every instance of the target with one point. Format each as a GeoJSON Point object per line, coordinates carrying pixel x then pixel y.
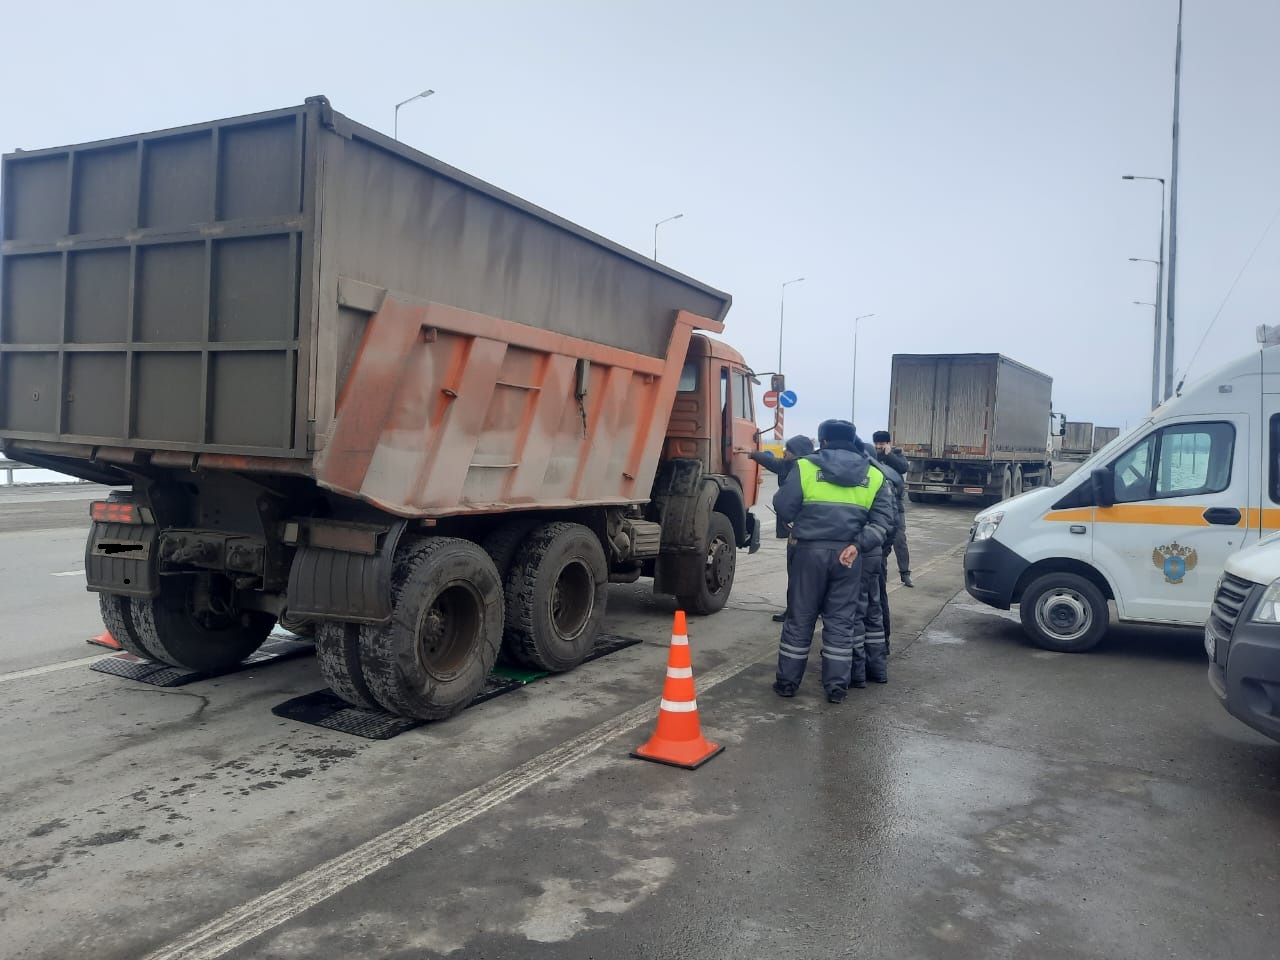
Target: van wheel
{"type": "Point", "coordinates": [179, 634]}
{"type": "Point", "coordinates": [557, 590]}
{"type": "Point", "coordinates": [431, 658]}
{"type": "Point", "coordinates": [713, 580]}
{"type": "Point", "coordinates": [1064, 612]}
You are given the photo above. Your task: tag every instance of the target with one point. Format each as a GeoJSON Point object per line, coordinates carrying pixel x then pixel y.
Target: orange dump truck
{"type": "Point", "coordinates": [349, 387]}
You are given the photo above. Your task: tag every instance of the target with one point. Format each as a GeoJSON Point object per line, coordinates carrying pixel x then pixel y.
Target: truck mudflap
{"type": "Point", "coordinates": [342, 571]}
{"type": "Point", "coordinates": [120, 555]}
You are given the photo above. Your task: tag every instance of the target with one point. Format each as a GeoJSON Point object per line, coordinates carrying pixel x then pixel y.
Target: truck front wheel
{"type": "Point", "coordinates": [431, 658]}
{"type": "Point", "coordinates": [1064, 612]}
{"type": "Point", "coordinates": [718, 563]}
{"type": "Point", "coordinates": [209, 636]}
{"type": "Point", "coordinates": [557, 590]}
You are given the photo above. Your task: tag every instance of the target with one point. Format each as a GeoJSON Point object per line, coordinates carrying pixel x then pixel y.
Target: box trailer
{"type": "Point", "coordinates": [973, 424]}
{"type": "Point", "coordinates": [348, 386]}
{"type": "Point", "coordinates": [1104, 435]}
{"type": "Point", "coordinates": [1077, 442]}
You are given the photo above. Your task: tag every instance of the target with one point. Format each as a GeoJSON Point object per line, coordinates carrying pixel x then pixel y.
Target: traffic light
{"type": "Point", "coordinates": [777, 383]}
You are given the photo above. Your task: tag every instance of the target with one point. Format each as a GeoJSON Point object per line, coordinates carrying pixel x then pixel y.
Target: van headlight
{"type": "Point", "coordinates": [984, 526]}
{"type": "Point", "coordinates": [1268, 608]}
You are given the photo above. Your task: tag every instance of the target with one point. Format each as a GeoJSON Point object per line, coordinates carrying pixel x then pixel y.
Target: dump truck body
{"type": "Point", "coordinates": [312, 353]}
{"type": "Point", "coordinates": [970, 424]}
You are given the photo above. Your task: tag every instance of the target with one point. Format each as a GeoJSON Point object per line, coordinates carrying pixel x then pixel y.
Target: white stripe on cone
{"type": "Point", "coordinates": [679, 640]}
{"type": "Point", "coordinates": [675, 707]}
{"type": "Point", "coordinates": [679, 673]}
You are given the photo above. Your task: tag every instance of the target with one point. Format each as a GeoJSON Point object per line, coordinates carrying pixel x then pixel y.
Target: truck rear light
{"type": "Point", "coordinates": [109, 511]}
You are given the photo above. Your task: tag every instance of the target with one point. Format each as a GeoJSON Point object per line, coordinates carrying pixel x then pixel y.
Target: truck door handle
{"type": "Point", "coordinates": [1224, 516]}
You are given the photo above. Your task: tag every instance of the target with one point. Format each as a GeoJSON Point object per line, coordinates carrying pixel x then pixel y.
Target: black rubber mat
{"type": "Point", "coordinates": [129, 667]}
{"type": "Point", "coordinates": [325, 709]}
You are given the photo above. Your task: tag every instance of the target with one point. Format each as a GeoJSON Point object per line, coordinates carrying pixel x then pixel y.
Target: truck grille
{"type": "Point", "coordinates": [1230, 599]}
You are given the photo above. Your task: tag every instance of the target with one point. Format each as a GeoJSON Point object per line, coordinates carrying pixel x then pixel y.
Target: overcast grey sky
{"type": "Point", "coordinates": [953, 167]}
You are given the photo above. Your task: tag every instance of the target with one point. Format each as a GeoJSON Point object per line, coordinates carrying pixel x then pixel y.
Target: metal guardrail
{"type": "Point", "coordinates": [7, 468]}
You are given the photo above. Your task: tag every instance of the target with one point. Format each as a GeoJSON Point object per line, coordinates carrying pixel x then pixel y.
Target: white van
{"type": "Point", "coordinates": [1148, 521]}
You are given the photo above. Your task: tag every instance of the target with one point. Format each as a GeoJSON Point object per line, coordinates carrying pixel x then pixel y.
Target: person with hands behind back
{"type": "Point", "coordinates": [836, 505]}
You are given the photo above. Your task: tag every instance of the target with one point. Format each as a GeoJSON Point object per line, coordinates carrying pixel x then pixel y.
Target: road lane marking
{"type": "Point", "coordinates": [68, 573]}
{"type": "Point", "coordinates": [250, 920]}
{"type": "Point", "coordinates": [258, 916]}
{"type": "Point", "coordinates": [49, 668]}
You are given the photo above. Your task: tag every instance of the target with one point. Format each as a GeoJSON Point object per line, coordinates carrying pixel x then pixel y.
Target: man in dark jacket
{"type": "Point", "coordinates": [837, 505]}
{"type": "Point", "coordinates": [873, 628]}
{"type": "Point", "coordinates": [892, 456]}
{"type": "Point", "coordinates": [795, 448]}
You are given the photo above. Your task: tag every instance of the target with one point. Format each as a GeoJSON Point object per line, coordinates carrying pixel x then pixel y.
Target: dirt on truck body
{"type": "Point", "coordinates": [348, 387]}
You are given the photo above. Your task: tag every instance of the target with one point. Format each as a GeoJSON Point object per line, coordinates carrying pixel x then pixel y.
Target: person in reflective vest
{"type": "Point", "coordinates": [838, 506]}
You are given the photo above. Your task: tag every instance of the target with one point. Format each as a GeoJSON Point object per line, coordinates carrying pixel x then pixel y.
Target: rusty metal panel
{"type": "Point", "coordinates": [912, 410]}
{"type": "Point", "coordinates": [968, 403]}
{"type": "Point", "coordinates": [189, 280]}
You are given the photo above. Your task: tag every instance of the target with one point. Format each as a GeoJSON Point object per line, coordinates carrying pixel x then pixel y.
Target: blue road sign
{"type": "Point", "coordinates": [787, 398]}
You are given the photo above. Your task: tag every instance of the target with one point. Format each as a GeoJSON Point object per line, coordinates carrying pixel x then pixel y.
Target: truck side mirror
{"type": "Point", "coordinates": [1103, 487]}
{"type": "Point", "coordinates": [1062, 424]}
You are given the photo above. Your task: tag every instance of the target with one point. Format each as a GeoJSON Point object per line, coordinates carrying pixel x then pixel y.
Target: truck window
{"type": "Point", "coordinates": [689, 377]}
{"type": "Point", "coordinates": [741, 396]}
{"type": "Point", "coordinates": [1178, 461]}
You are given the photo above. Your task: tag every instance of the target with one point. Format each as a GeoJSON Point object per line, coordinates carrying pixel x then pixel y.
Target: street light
{"type": "Point", "coordinates": [1155, 335]}
{"type": "Point", "coordinates": [655, 232]}
{"type": "Point", "coordinates": [1155, 358]}
{"type": "Point", "coordinates": [853, 400]}
{"type": "Point", "coordinates": [417, 96]}
{"type": "Point", "coordinates": [782, 313]}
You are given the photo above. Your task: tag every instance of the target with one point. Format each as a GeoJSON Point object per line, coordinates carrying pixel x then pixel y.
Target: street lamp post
{"type": "Point", "coordinates": [853, 399]}
{"type": "Point", "coordinates": [417, 96]}
{"type": "Point", "coordinates": [655, 232]}
{"type": "Point", "coordinates": [782, 314]}
{"type": "Point", "coordinates": [1155, 335]}
{"type": "Point", "coordinates": [1155, 360]}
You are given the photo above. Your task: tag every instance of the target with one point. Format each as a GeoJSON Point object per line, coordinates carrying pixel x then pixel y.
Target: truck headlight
{"type": "Point", "coordinates": [1268, 608]}
{"type": "Point", "coordinates": [984, 527]}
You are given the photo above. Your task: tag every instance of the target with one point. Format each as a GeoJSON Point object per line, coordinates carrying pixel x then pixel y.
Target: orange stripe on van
{"type": "Point", "coordinates": [1158, 515]}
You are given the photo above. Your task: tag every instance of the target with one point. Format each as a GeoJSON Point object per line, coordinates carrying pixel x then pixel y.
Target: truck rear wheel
{"type": "Point", "coordinates": [431, 658]}
{"type": "Point", "coordinates": [338, 653]}
{"type": "Point", "coordinates": [557, 591]}
{"type": "Point", "coordinates": [1017, 481]}
{"type": "Point", "coordinates": [915, 497]}
{"type": "Point", "coordinates": [1064, 612]}
{"type": "Point", "coordinates": [713, 582]}
{"type": "Point", "coordinates": [115, 617]}
{"type": "Point", "coordinates": [179, 634]}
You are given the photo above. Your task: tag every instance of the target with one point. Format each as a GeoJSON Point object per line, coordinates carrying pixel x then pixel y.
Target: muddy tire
{"type": "Point", "coordinates": [298, 626]}
{"type": "Point", "coordinates": [712, 581]}
{"type": "Point", "coordinates": [115, 617]}
{"type": "Point", "coordinates": [168, 626]}
{"type": "Point", "coordinates": [431, 658]}
{"type": "Point", "coordinates": [338, 653]}
{"type": "Point", "coordinates": [1064, 612]}
{"type": "Point", "coordinates": [915, 497]}
{"type": "Point", "coordinates": [501, 545]}
{"type": "Point", "coordinates": [557, 590]}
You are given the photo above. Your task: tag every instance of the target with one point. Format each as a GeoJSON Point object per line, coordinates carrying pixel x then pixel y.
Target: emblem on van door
{"type": "Point", "coordinates": [1174, 561]}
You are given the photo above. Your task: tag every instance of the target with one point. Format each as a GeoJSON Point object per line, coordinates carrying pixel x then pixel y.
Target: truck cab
{"type": "Point", "coordinates": [1148, 522]}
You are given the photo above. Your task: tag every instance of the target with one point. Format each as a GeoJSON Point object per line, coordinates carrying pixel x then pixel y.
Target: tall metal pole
{"type": "Point", "coordinates": [1173, 211]}
{"type": "Point", "coordinates": [1155, 342]}
{"type": "Point", "coordinates": [417, 96]}
{"type": "Point", "coordinates": [782, 315]}
{"type": "Point", "coordinates": [655, 232]}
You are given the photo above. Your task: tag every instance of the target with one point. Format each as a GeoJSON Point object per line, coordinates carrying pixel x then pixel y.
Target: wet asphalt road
{"type": "Point", "coordinates": [992, 801]}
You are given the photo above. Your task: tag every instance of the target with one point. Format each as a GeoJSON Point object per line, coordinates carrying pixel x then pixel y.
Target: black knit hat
{"type": "Point", "coordinates": [799, 446]}
{"type": "Point", "coordinates": [881, 436]}
{"type": "Point", "coordinates": [837, 431]}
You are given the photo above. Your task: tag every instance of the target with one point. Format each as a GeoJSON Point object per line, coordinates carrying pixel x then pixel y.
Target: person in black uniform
{"type": "Point", "coordinates": [891, 455]}
{"type": "Point", "coordinates": [837, 505]}
{"type": "Point", "coordinates": [873, 628]}
{"type": "Point", "coordinates": [795, 448]}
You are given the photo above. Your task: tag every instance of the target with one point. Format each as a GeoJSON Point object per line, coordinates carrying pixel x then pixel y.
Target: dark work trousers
{"type": "Point", "coordinates": [884, 598]}
{"type": "Point", "coordinates": [819, 584]}
{"type": "Point", "coordinates": [871, 627]}
{"type": "Point", "coordinates": [900, 551]}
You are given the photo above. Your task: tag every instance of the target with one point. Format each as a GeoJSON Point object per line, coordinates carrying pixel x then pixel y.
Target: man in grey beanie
{"type": "Point", "coordinates": [795, 448]}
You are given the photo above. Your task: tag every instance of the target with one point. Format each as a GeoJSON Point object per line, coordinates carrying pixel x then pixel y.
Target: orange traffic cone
{"type": "Point", "coordinates": [678, 739]}
{"type": "Point", "coordinates": [105, 639]}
